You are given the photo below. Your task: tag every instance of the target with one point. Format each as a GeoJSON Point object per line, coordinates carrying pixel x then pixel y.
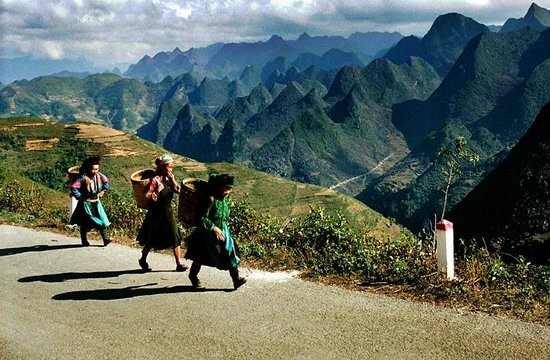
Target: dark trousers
{"type": "Point", "coordinates": [196, 267]}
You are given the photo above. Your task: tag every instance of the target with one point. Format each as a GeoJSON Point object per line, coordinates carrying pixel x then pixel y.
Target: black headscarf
{"type": "Point", "coordinates": [88, 163]}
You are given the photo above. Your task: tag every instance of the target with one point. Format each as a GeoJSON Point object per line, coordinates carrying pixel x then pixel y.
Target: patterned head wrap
{"type": "Point", "coordinates": [164, 160]}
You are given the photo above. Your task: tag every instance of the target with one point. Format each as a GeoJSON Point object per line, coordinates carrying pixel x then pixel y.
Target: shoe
{"type": "Point", "coordinates": [239, 282]}
{"type": "Point", "coordinates": [144, 266]}
{"type": "Point", "coordinates": [85, 243]}
{"type": "Point", "coordinates": [107, 242]}
{"type": "Point", "coordinates": [196, 283]}
{"type": "Point", "coordinates": [181, 268]}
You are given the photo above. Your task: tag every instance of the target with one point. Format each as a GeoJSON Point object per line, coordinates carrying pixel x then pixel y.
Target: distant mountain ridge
{"type": "Point", "coordinates": [443, 43]}
{"type": "Point", "coordinates": [231, 59]}
{"type": "Point", "coordinates": [28, 68]}
{"type": "Point", "coordinates": [537, 18]}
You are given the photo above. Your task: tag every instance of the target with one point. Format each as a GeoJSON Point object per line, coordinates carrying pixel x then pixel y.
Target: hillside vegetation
{"type": "Point", "coordinates": [513, 216]}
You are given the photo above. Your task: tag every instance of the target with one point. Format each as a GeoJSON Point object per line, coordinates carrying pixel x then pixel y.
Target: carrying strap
{"type": "Point", "coordinates": [97, 180]}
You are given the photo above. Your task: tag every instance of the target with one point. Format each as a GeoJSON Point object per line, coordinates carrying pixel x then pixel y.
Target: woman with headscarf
{"type": "Point", "coordinates": [159, 229]}
{"type": "Point", "coordinates": [211, 243]}
{"type": "Point", "coordinates": [88, 189]}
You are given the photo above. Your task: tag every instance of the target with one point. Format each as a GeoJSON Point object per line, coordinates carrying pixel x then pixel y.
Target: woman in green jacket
{"type": "Point", "coordinates": [211, 243]}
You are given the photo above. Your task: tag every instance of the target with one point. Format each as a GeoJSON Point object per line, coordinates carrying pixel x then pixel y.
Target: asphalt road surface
{"type": "Point", "coordinates": [62, 301]}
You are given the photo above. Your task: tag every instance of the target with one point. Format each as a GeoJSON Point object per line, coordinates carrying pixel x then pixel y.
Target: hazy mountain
{"type": "Point", "coordinates": [172, 63]}
{"type": "Point", "coordinates": [370, 43]}
{"type": "Point", "coordinates": [29, 68]}
{"type": "Point", "coordinates": [244, 54]}
{"type": "Point", "coordinates": [232, 59]}
{"type": "Point", "coordinates": [251, 77]}
{"type": "Point", "coordinates": [65, 73]}
{"type": "Point", "coordinates": [537, 18]}
{"type": "Point", "coordinates": [175, 98]}
{"type": "Point", "coordinates": [211, 93]}
{"type": "Point", "coordinates": [509, 208]}
{"type": "Point", "coordinates": [441, 45]}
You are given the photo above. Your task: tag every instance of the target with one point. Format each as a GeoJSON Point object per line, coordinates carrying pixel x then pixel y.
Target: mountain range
{"type": "Point", "coordinates": [366, 124]}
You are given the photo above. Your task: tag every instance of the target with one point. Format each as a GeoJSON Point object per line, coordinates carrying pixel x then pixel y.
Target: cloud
{"type": "Point", "coordinates": [123, 31]}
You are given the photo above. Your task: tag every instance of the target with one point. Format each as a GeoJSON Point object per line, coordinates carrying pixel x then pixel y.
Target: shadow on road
{"type": "Point", "coordinates": [36, 248]}
{"type": "Point", "coordinates": [52, 278]}
{"type": "Point", "coordinates": [127, 292]}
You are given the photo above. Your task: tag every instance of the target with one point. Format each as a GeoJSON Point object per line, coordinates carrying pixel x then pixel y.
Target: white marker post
{"type": "Point", "coordinates": [445, 248]}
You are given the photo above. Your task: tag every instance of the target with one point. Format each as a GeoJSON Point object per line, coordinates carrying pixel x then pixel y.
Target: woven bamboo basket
{"type": "Point", "coordinates": [193, 193]}
{"type": "Point", "coordinates": [140, 180]}
{"type": "Point", "coordinates": [72, 173]}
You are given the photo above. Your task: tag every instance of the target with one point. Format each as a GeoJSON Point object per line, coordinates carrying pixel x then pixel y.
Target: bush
{"type": "Point", "coordinates": [15, 198]}
{"type": "Point", "coordinates": [325, 244]}
{"type": "Point", "coordinates": [126, 218]}
{"type": "Point", "coordinates": [258, 236]}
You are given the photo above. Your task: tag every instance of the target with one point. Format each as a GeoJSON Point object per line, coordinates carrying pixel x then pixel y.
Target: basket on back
{"type": "Point", "coordinates": [192, 200]}
{"type": "Point", "coordinates": [73, 173]}
{"type": "Point", "coordinates": [140, 180]}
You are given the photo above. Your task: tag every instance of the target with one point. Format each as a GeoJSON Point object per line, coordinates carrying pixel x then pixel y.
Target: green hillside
{"type": "Point", "coordinates": [39, 152]}
{"type": "Point", "coordinates": [108, 99]}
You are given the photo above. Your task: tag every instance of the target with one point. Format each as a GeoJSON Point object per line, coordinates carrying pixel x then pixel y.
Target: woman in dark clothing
{"type": "Point", "coordinates": [88, 188]}
{"type": "Point", "coordinates": [211, 243]}
{"type": "Point", "coordinates": [159, 229]}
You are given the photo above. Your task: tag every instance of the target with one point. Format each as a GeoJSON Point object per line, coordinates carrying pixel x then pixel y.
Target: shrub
{"type": "Point", "coordinates": [326, 244]}
{"type": "Point", "coordinates": [15, 198]}
{"type": "Point", "coordinates": [258, 236]}
{"type": "Point", "coordinates": [126, 218]}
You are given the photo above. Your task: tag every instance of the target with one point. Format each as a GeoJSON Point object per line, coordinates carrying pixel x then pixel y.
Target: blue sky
{"type": "Point", "coordinates": [111, 32]}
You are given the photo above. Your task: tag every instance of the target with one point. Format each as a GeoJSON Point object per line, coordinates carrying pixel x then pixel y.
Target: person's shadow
{"type": "Point", "coordinates": [36, 248]}
{"type": "Point", "coordinates": [61, 277]}
{"type": "Point", "coordinates": [128, 292]}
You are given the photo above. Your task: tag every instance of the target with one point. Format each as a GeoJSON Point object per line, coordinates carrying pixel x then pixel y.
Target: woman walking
{"type": "Point", "coordinates": [159, 229]}
{"type": "Point", "coordinates": [88, 188]}
{"type": "Point", "coordinates": [211, 243]}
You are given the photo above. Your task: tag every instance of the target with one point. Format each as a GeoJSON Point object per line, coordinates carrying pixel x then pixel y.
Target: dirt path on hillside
{"type": "Point", "coordinates": [59, 300]}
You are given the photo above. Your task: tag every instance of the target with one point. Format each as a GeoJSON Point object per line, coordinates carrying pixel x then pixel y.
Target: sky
{"type": "Point", "coordinates": [113, 32]}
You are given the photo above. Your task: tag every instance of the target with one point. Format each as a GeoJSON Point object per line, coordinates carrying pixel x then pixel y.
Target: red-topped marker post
{"type": "Point", "coordinates": [445, 248]}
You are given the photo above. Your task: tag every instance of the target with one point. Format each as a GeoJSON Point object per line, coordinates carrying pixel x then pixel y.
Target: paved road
{"type": "Point", "coordinates": [61, 301]}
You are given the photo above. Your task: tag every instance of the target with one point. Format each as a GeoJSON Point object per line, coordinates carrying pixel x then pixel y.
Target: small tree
{"type": "Point", "coordinates": [457, 155]}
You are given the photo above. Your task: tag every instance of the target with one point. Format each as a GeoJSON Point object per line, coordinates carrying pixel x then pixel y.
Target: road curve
{"type": "Point", "coordinates": [62, 301]}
